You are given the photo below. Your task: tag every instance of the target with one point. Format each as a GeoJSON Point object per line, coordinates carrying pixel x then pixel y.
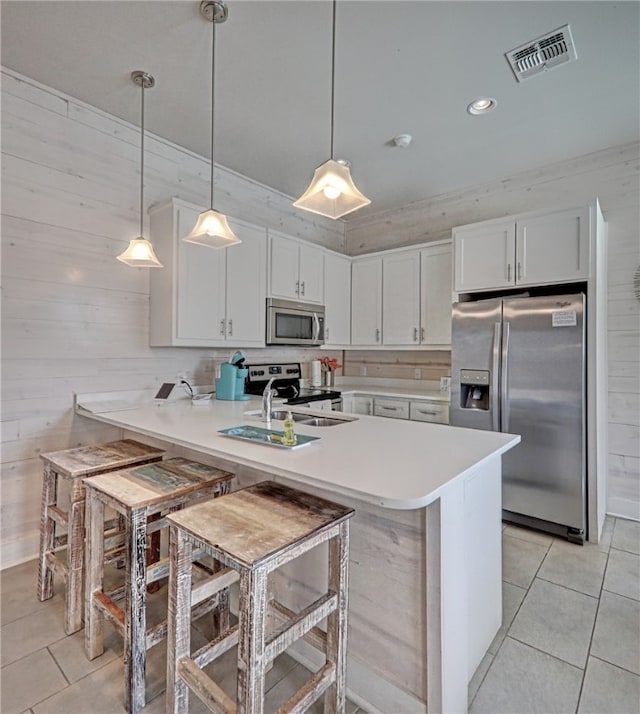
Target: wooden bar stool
{"type": "Point", "coordinates": [68, 512]}
{"type": "Point", "coordinates": [139, 495]}
{"type": "Point", "coordinates": [255, 531]}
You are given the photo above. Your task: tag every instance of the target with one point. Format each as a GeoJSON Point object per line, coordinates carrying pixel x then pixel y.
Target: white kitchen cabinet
{"type": "Point", "coordinates": [528, 250]}
{"type": "Point", "coordinates": [296, 269]}
{"type": "Point", "coordinates": [401, 298]}
{"type": "Point", "coordinates": [337, 299]}
{"type": "Point", "coordinates": [392, 408]}
{"type": "Point", "coordinates": [416, 297]}
{"type": "Point", "coordinates": [435, 295]}
{"type": "Point", "coordinates": [363, 405]}
{"type": "Point", "coordinates": [206, 297]}
{"type": "Point", "coordinates": [432, 412]}
{"type": "Point", "coordinates": [366, 301]}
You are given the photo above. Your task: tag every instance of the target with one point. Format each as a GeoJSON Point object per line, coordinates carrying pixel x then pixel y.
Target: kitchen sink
{"type": "Point", "coordinates": [322, 421]}
{"type": "Point", "coordinates": [306, 418]}
{"type": "Point", "coordinates": [281, 415]}
{"type": "Point", "coordinates": [310, 419]}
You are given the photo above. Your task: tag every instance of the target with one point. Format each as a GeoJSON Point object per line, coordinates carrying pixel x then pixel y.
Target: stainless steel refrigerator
{"type": "Point", "coordinates": [518, 366]}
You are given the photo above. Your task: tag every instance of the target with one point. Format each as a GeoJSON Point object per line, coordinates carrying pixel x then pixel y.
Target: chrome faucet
{"type": "Point", "coordinates": [267, 401]}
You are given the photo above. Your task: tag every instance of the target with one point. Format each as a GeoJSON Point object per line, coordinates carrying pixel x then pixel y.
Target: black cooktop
{"type": "Point", "coordinates": [286, 382]}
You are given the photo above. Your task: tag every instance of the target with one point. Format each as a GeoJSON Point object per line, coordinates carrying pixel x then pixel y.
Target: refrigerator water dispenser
{"type": "Point", "coordinates": [474, 389]}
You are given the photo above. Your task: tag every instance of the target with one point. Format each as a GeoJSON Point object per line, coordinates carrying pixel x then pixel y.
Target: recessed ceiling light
{"type": "Point", "coordinates": [482, 105]}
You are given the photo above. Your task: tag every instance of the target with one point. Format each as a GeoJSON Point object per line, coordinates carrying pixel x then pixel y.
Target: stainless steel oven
{"type": "Point", "coordinates": [294, 323]}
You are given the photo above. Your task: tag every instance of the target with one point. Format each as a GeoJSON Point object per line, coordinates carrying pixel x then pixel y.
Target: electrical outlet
{"type": "Point", "coordinates": [363, 370]}
{"type": "Point", "coordinates": [417, 373]}
{"type": "Point", "coordinates": [182, 376]}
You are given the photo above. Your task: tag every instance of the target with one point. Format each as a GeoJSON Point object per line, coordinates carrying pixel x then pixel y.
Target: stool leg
{"type": "Point", "coordinates": [178, 619]}
{"type": "Point", "coordinates": [75, 558]}
{"type": "Point", "coordinates": [251, 665]}
{"type": "Point", "coordinates": [135, 634]}
{"type": "Point", "coordinates": [335, 697]}
{"type": "Point", "coordinates": [153, 551]}
{"type": "Point", "coordinates": [94, 575]}
{"type": "Point", "coordinates": [47, 532]}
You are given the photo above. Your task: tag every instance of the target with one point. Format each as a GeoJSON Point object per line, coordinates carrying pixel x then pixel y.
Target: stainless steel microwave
{"type": "Point", "coordinates": [294, 323]}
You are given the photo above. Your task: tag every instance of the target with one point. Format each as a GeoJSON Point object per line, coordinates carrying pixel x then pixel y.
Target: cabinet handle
{"type": "Point", "coordinates": [297, 287]}
{"type": "Point", "coordinates": [377, 334]}
{"type": "Point", "coordinates": [422, 334]}
{"type": "Point", "coordinates": [519, 271]}
{"type": "Point", "coordinates": [389, 409]}
{"type": "Point", "coordinates": [508, 272]}
{"type": "Point", "coordinates": [415, 334]}
{"type": "Point", "coordinates": [222, 327]}
{"type": "Point", "coordinates": [230, 328]}
{"type": "Point", "coordinates": [426, 411]}
{"type": "Point", "coordinates": [302, 286]}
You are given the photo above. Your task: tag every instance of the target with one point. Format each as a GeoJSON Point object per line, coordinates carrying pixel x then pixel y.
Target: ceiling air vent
{"type": "Point", "coordinates": [546, 52]}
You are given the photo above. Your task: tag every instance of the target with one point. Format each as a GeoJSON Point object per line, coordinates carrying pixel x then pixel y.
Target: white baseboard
{"type": "Point", "coordinates": [20, 550]}
{"type": "Point", "coordinates": [623, 508]}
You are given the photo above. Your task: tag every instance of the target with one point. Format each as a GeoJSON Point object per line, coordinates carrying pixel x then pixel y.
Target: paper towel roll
{"type": "Point", "coordinates": [316, 373]}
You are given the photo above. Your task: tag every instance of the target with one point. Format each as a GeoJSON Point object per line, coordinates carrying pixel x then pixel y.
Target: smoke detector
{"type": "Point", "coordinates": [546, 52]}
{"type": "Point", "coordinates": [402, 140]}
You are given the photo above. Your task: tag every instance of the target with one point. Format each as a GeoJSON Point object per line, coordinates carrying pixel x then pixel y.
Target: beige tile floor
{"type": "Point", "coordinates": [570, 640]}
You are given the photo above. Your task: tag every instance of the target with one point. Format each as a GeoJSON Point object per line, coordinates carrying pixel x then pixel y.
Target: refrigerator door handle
{"type": "Point", "coordinates": [504, 378]}
{"type": "Point", "coordinates": [495, 369]}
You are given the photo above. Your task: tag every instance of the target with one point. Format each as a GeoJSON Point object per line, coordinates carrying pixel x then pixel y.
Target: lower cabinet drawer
{"type": "Point", "coordinates": [428, 411]}
{"type": "Point", "coordinates": [394, 408]}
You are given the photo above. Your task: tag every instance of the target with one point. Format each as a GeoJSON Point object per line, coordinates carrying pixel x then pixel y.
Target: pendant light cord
{"type": "Point", "coordinates": [142, 83]}
{"type": "Point", "coordinates": [213, 85]}
{"type": "Point", "coordinates": [333, 72]}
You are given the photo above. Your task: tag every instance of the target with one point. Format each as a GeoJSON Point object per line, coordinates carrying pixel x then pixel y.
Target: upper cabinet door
{"type": "Point", "coordinates": [366, 302]}
{"type": "Point", "coordinates": [401, 298]}
{"type": "Point", "coordinates": [297, 270]}
{"type": "Point", "coordinates": [435, 305]}
{"type": "Point", "coordinates": [553, 248]}
{"type": "Point", "coordinates": [337, 299]}
{"type": "Point", "coordinates": [285, 282]}
{"type": "Point", "coordinates": [200, 287]}
{"type": "Point", "coordinates": [311, 274]}
{"type": "Point", "coordinates": [484, 256]}
{"type": "Point", "coordinates": [246, 286]}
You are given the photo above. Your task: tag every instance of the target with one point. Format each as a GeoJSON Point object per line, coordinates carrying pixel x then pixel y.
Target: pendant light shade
{"type": "Point", "coordinates": [140, 253]}
{"type": "Point", "coordinates": [332, 192]}
{"type": "Point", "coordinates": [212, 229]}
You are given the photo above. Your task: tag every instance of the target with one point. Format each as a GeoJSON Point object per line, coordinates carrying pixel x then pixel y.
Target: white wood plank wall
{"type": "Point", "coordinates": [613, 176]}
{"type": "Point", "coordinates": [74, 319]}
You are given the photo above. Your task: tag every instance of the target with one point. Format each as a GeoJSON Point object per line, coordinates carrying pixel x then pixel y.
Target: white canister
{"type": "Point", "coordinates": [316, 373]}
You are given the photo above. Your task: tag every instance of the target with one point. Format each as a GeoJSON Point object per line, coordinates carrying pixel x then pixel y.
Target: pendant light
{"type": "Point", "coordinates": [140, 253]}
{"type": "Point", "coordinates": [332, 192]}
{"type": "Point", "coordinates": [211, 228]}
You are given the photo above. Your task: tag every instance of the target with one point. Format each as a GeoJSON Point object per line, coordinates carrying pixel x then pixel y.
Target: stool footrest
{"type": "Point", "coordinates": [205, 688]}
{"type": "Point", "coordinates": [59, 516]}
{"type": "Point", "coordinates": [216, 648]}
{"type": "Point", "coordinates": [212, 585]}
{"type": "Point", "coordinates": [312, 690]}
{"type": "Point", "coordinates": [110, 610]}
{"type": "Point", "coordinates": [315, 637]}
{"type": "Point", "coordinates": [53, 562]}
{"type": "Point", "coordinates": [298, 625]}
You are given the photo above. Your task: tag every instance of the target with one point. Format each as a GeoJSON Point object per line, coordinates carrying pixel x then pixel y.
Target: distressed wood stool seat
{"type": "Point", "coordinates": [255, 531]}
{"type": "Point", "coordinates": [142, 496]}
{"type": "Point", "coordinates": [67, 511]}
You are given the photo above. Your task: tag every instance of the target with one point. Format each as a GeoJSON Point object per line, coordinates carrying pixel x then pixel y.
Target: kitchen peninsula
{"type": "Point", "coordinates": [425, 562]}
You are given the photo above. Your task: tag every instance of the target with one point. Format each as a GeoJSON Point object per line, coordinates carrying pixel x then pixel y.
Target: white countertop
{"type": "Point", "coordinates": [388, 462]}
